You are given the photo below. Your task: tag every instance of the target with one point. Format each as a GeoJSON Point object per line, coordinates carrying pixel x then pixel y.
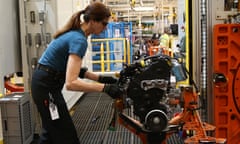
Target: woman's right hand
{"type": "Point", "coordinates": [112, 90]}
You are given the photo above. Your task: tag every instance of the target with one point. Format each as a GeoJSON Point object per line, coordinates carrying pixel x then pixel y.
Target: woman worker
{"type": "Point", "coordinates": [61, 64]}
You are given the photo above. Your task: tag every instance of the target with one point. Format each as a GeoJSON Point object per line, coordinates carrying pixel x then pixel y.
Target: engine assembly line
{"type": "Point", "coordinates": [174, 63]}
{"type": "Point", "coordinates": [160, 109]}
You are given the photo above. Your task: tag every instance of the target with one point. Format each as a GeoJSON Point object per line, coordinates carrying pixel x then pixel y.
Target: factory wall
{"type": "Point", "coordinates": [10, 50]}
{"type": "Point", "coordinates": [10, 55]}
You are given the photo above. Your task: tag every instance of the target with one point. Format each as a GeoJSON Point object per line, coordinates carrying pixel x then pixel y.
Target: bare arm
{"type": "Point", "coordinates": [91, 76]}
{"type": "Point", "coordinates": [74, 83]}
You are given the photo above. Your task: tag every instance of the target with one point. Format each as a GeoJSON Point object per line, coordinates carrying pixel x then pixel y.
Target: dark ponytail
{"type": "Point", "coordinates": [97, 11]}
{"type": "Point", "coordinates": [73, 23]}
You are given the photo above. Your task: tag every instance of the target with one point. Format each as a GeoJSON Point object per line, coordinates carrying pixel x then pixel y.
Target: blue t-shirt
{"type": "Point", "coordinates": [57, 52]}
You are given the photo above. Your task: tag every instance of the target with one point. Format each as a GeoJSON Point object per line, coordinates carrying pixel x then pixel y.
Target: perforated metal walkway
{"type": "Point", "coordinates": [92, 116]}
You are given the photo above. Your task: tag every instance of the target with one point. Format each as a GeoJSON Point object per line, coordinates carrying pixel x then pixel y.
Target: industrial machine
{"type": "Point", "coordinates": [161, 108]}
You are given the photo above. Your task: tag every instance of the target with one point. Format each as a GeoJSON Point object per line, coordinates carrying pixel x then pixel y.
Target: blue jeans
{"type": "Point", "coordinates": [62, 130]}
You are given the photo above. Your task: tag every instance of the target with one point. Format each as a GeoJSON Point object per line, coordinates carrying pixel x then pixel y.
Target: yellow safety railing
{"type": "Point", "coordinates": [107, 61]}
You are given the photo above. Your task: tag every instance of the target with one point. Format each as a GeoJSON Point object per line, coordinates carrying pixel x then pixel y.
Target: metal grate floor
{"type": "Point", "coordinates": [92, 116]}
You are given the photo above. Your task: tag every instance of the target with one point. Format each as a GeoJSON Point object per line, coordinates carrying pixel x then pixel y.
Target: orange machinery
{"type": "Point", "coordinates": [153, 50]}
{"type": "Point", "coordinates": [192, 121]}
{"type": "Point", "coordinates": [146, 85]}
{"type": "Point", "coordinates": [188, 120]}
{"type": "Point", "coordinates": [226, 98]}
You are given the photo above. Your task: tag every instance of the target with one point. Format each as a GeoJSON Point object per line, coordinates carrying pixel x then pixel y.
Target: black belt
{"type": "Point", "coordinates": [50, 70]}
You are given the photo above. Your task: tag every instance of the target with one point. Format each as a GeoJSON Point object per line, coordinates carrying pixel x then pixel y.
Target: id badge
{"type": "Point", "coordinates": [53, 111]}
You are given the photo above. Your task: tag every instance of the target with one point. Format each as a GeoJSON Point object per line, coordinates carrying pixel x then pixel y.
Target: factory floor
{"type": "Point", "coordinates": [92, 116]}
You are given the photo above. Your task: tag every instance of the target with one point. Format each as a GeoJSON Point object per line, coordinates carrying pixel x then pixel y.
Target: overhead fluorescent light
{"type": "Point", "coordinates": [143, 8]}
